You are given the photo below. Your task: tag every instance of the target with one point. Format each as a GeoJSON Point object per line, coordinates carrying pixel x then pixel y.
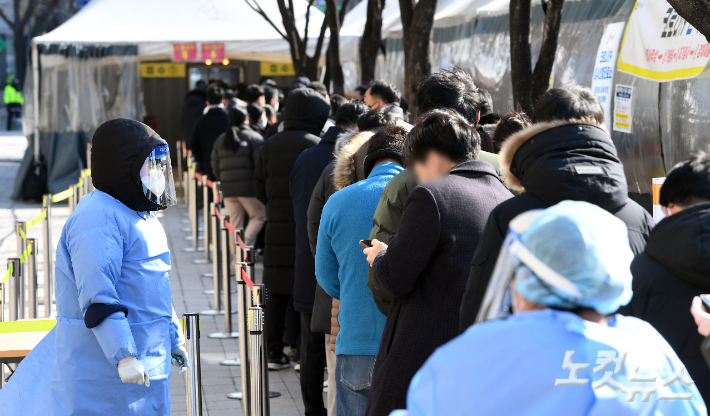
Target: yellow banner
{"type": "Point", "coordinates": [27, 326]}
{"type": "Point", "coordinates": [277, 69]}
{"type": "Point", "coordinates": [163, 70]}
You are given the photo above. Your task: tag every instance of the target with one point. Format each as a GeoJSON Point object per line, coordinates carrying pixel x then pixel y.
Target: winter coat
{"type": "Point", "coordinates": [304, 116]}
{"type": "Point", "coordinates": [553, 162]}
{"type": "Point", "coordinates": [425, 269]}
{"type": "Point", "coordinates": [304, 177]}
{"type": "Point", "coordinates": [235, 169]}
{"type": "Point", "coordinates": [207, 129]}
{"type": "Point", "coordinates": [347, 175]}
{"type": "Point", "coordinates": [675, 267]}
{"type": "Point", "coordinates": [386, 221]}
{"type": "Point", "coordinates": [191, 111]}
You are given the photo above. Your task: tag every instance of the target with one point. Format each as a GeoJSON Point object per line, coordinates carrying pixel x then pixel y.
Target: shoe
{"type": "Point", "coordinates": [297, 367]}
{"type": "Point", "coordinates": [294, 356]}
{"type": "Point", "coordinates": [325, 383]}
{"type": "Point", "coordinates": [277, 362]}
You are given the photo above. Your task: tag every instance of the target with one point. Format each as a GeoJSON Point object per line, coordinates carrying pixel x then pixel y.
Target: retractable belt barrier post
{"type": "Point", "coordinates": [259, 297]}
{"type": "Point", "coordinates": [216, 270]}
{"type": "Point", "coordinates": [223, 243]}
{"type": "Point", "coordinates": [71, 201]}
{"type": "Point", "coordinates": [21, 234]}
{"type": "Point", "coordinates": [256, 332]}
{"type": "Point", "coordinates": [13, 288]}
{"type": "Point", "coordinates": [206, 189]}
{"type": "Point", "coordinates": [193, 377]}
{"type": "Point", "coordinates": [2, 307]}
{"type": "Point", "coordinates": [47, 255]}
{"type": "Point", "coordinates": [180, 191]}
{"type": "Point", "coordinates": [32, 278]}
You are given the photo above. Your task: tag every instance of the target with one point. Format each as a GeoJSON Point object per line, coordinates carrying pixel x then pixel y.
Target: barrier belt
{"type": "Point", "coordinates": [22, 233]}
{"type": "Point", "coordinates": [27, 326]}
{"type": "Point", "coordinates": [209, 183]}
{"type": "Point", "coordinates": [247, 280]}
{"type": "Point", "coordinates": [36, 220]}
{"type": "Point", "coordinates": [8, 273]}
{"type": "Point", "coordinates": [23, 258]}
{"type": "Point", "coordinates": [63, 195]}
{"type": "Point", "coordinates": [198, 177]}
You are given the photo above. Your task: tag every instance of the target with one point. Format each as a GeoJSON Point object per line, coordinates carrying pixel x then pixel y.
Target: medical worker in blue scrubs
{"type": "Point", "coordinates": [564, 351]}
{"type": "Point", "coordinates": [110, 352]}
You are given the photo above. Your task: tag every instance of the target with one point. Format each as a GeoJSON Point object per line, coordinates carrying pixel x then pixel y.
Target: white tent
{"type": "Point", "coordinates": [154, 25]}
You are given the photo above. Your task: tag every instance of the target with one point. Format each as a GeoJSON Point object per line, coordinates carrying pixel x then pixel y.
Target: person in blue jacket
{"type": "Point", "coordinates": [563, 351]}
{"type": "Point", "coordinates": [116, 333]}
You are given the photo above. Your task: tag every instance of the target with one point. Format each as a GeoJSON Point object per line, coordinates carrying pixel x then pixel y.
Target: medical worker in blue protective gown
{"type": "Point", "coordinates": [561, 351]}
{"type": "Point", "coordinates": [110, 352]}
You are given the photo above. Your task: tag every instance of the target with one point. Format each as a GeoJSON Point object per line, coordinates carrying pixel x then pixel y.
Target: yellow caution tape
{"type": "Point", "coordinates": [88, 172]}
{"type": "Point", "coordinates": [27, 326]}
{"type": "Point", "coordinates": [26, 253]}
{"type": "Point", "coordinates": [22, 233]}
{"type": "Point", "coordinates": [8, 273]}
{"type": "Point", "coordinates": [63, 195]}
{"type": "Point", "coordinates": [36, 220]}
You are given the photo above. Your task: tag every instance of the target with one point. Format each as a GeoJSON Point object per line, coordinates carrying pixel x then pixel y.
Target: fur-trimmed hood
{"type": "Point", "coordinates": [565, 160]}
{"type": "Point", "coordinates": [347, 161]}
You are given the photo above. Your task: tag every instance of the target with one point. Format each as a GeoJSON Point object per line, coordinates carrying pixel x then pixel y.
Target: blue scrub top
{"type": "Point", "coordinates": [107, 254]}
{"type": "Point", "coordinates": [509, 367]}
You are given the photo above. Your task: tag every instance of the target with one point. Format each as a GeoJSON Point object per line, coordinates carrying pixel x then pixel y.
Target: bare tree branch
{"type": "Point", "coordinates": [6, 19]}
{"type": "Point", "coordinates": [48, 10]}
{"type": "Point", "coordinates": [343, 11]}
{"type": "Point", "coordinates": [259, 10]}
{"type": "Point", "coordinates": [29, 11]}
{"type": "Point", "coordinates": [308, 20]}
{"type": "Point", "coordinates": [546, 60]}
{"type": "Point", "coordinates": [696, 12]}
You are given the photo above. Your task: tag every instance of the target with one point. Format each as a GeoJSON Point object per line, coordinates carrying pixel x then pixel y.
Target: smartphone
{"type": "Point", "coordinates": [368, 243]}
{"type": "Point", "coordinates": [706, 302]}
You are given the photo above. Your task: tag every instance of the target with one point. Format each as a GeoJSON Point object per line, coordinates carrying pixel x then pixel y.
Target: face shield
{"type": "Point", "coordinates": [498, 298]}
{"type": "Point", "coordinates": [157, 177]}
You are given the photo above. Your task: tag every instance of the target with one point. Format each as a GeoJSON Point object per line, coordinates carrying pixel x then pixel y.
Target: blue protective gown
{"type": "Point", "coordinates": [509, 367]}
{"type": "Point", "coordinates": [107, 254]}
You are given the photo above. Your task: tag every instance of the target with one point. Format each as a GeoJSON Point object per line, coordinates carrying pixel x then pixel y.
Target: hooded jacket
{"type": "Point", "coordinates": [207, 129]}
{"type": "Point", "coordinates": [325, 308]}
{"type": "Point", "coordinates": [675, 267]}
{"type": "Point", "coordinates": [304, 177]}
{"type": "Point", "coordinates": [306, 112]}
{"type": "Point", "coordinates": [550, 163]}
{"type": "Point", "coordinates": [191, 111]}
{"type": "Point", "coordinates": [121, 161]}
{"type": "Point", "coordinates": [235, 168]}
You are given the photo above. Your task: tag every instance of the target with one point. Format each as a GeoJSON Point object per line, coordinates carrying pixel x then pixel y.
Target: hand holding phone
{"type": "Point", "coordinates": [366, 243]}
{"type": "Point", "coordinates": [706, 302]}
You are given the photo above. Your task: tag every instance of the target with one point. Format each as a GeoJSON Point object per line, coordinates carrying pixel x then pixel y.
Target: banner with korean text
{"type": "Point", "coordinates": [660, 45]}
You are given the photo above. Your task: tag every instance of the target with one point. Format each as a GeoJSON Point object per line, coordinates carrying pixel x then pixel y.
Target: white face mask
{"type": "Point", "coordinates": [155, 182]}
{"type": "Point", "coordinates": [263, 122]}
{"type": "Point", "coordinates": [276, 107]}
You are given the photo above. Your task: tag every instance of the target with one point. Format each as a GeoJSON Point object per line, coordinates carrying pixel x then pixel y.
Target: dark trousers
{"type": "Point", "coordinates": [13, 109]}
{"type": "Point", "coordinates": [312, 362]}
{"type": "Point", "coordinates": [275, 320]}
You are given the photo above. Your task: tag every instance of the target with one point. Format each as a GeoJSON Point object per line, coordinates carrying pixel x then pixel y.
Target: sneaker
{"type": "Point", "coordinates": [294, 356]}
{"type": "Point", "coordinates": [277, 362]}
{"type": "Point", "coordinates": [297, 367]}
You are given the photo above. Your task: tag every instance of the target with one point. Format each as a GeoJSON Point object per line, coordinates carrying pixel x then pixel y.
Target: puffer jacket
{"type": "Point", "coordinates": [553, 162]}
{"type": "Point", "coordinates": [235, 168]}
{"type": "Point", "coordinates": [306, 112]}
{"type": "Point", "coordinates": [337, 175]}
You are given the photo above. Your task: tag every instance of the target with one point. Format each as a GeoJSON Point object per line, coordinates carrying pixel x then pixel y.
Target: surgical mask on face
{"type": "Point", "coordinates": [155, 182]}
{"type": "Point", "coordinates": [276, 107]}
{"type": "Point", "coordinates": [263, 122]}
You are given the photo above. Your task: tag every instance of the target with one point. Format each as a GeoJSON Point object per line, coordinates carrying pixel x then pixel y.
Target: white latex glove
{"type": "Point", "coordinates": [132, 371]}
{"type": "Point", "coordinates": [180, 352]}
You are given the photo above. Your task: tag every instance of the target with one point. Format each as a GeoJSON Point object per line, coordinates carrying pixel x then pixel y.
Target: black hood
{"type": "Point", "coordinates": [118, 150]}
{"type": "Point", "coordinates": [557, 162]}
{"type": "Point", "coordinates": [681, 244]}
{"type": "Point", "coordinates": [306, 110]}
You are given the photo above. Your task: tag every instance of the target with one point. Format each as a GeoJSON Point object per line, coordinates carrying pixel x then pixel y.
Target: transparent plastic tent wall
{"type": "Point", "coordinates": [671, 119]}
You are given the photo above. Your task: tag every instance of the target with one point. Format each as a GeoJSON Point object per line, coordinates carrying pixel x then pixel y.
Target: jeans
{"type": "Point", "coordinates": [354, 377]}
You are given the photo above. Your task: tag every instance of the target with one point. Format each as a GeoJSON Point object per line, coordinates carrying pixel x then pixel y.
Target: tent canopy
{"type": "Point", "coordinates": [156, 24]}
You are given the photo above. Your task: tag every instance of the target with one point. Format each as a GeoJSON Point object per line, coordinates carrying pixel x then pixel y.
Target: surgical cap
{"type": "Point", "coordinates": [586, 245]}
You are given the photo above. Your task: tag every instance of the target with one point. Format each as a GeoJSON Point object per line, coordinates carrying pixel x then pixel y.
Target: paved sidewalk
{"type": "Point", "coordinates": [186, 285]}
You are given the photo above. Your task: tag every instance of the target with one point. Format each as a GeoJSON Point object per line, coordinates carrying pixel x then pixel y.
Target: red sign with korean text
{"type": "Point", "coordinates": [183, 52]}
{"type": "Point", "coordinates": [213, 51]}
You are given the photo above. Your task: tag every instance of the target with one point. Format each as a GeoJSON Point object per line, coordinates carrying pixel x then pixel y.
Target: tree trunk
{"type": "Point", "coordinates": [418, 30]}
{"type": "Point", "coordinates": [333, 55]}
{"type": "Point", "coordinates": [696, 12]}
{"type": "Point", "coordinates": [21, 53]}
{"type": "Point", "coordinates": [548, 50]}
{"type": "Point", "coordinates": [371, 40]}
{"type": "Point", "coordinates": [520, 58]}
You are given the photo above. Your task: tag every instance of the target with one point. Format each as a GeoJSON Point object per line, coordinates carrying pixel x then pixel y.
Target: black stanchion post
{"type": "Point", "coordinates": [243, 294]}
{"type": "Point", "coordinates": [32, 278]}
{"type": "Point", "coordinates": [47, 255]}
{"type": "Point", "coordinates": [260, 298]}
{"type": "Point", "coordinates": [21, 233]}
{"type": "Point", "coordinates": [14, 289]}
{"type": "Point", "coordinates": [226, 287]}
{"type": "Point", "coordinates": [193, 375]}
{"type": "Point", "coordinates": [256, 330]}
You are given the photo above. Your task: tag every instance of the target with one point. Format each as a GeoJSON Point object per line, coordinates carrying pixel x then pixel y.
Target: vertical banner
{"type": "Point", "coordinates": [660, 45]}
{"type": "Point", "coordinates": [602, 81]}
{"type": "Point", "coordinates": [184, 52]}
{"type": "Point", "coordinates": [213, 51]}
{"type": "Point", "coordinates": [623, 101]}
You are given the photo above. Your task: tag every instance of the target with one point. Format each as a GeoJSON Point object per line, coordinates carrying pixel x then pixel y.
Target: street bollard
{"type": "Point", "coordinates": [21, 233]}
{"type": "Point", "coordinates": [32, 278]}
{"type": "Point", "coordinates": [13, 294]}
{"type": "Point", "coordinates": [226, 287]}
{"type": "Point", "coordinates": [259, 298]}
{"type": "Point", "coordinates": [47, 255]}
{"type": "Point", "coordinates": [193, 377]}
{"type": "Point", "coordinates": [256, 329]}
